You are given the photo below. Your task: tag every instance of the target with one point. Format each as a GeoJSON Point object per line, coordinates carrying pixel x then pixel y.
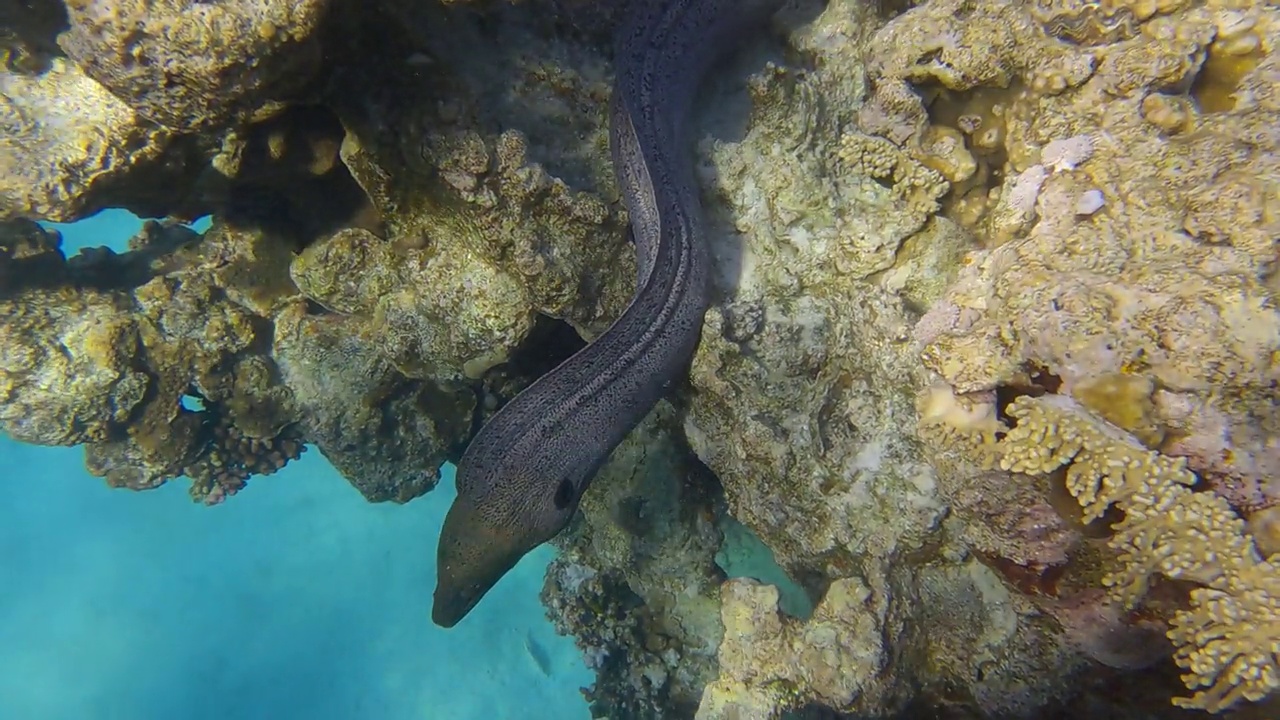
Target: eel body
{"type": "Point", "coordinates": [520, 479]}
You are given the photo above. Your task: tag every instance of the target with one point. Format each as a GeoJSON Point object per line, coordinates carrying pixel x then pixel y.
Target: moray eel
{"type": "Point", "coordinates": [520, 479]}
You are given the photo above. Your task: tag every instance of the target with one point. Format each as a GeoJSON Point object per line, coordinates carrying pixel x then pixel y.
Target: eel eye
{"type": "Point", "coordinates": [564, 494]}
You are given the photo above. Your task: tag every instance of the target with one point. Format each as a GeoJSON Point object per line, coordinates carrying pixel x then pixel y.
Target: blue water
{"type": "Point", "coordinates": [293, 599]}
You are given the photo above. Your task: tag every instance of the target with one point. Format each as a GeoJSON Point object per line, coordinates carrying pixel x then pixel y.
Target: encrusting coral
{"type": "Point", "coordinates": [768, 661]}
{"type": "Point", "coordinates": [1165, 280]}
{"type": "Point", "coordinates": [188, 65]}
{"type": "Point", "coordinates": [1127, 265]}
{"type": "Point", "coordinates": [1227, 639]}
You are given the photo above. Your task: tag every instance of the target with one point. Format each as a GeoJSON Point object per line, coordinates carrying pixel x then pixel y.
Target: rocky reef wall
{"type": "Point", "coordinates": [991, 370]}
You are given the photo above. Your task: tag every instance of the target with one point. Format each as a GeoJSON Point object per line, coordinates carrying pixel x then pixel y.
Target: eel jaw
{"type": "Point", "coordinates": [449, 606]}
{"type": "Point", "coordinates": [472, 557]}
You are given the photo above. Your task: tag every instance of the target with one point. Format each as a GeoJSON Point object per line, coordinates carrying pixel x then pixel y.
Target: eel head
{"type": "Point", "coordinates": [483, 538]}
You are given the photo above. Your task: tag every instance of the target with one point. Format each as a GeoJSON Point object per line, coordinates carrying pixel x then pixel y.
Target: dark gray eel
{"type": "Point", "coordinates": [520, 479]}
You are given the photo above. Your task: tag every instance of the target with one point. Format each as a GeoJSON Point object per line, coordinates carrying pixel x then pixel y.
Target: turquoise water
{"type": "Point", "coordinates": [293, 599]}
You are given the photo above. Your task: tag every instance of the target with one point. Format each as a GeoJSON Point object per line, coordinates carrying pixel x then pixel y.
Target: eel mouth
{"type": "Point", "coordinates": [471, 558]}
{"type": "Point", "coordinates": [449, 606]}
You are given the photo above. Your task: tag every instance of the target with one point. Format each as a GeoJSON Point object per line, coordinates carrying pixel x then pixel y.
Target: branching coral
{"type": "Point", "coordinates": [233, 458]}
{"type": "Point", "coordinates": [1227, 640]}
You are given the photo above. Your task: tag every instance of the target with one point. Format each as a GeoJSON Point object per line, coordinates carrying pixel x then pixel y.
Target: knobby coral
{"type": "Point", "coordinates": [765, 657]}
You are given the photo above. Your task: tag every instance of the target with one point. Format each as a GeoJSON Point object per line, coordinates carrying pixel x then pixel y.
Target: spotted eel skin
{"type": "Point", "coordinates": [520, 479]}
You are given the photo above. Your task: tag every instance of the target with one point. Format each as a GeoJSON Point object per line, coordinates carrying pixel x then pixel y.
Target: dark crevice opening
{"type": "Point", "coordinates": [29, 32]}
{"type": "Point", "coordinates": [1036, 381]}
{"type": "Point", "coordinates": [291, 182]}
{"type": "Point", "coordinates": [548, 344]}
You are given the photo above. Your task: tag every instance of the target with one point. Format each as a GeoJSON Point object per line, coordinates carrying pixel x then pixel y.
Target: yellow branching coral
{"type": "Point", "coordinates": [1106, 464]}
{"type": "Point", "coordinates": [1228, 640]}
{"type": "Point", "coordinates": [1180, 534]}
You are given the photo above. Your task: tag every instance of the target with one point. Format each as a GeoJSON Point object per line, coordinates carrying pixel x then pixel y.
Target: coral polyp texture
{"type": "Point", "coordinates": [990, 374]}
{"type": "Point", "coordinates": [186, 64]}
{"type": "Point", "coordinates": [1227, 639]}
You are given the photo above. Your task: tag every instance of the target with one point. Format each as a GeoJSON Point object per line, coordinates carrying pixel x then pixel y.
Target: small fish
{"type": "Point", "coordinates": [537, 653]}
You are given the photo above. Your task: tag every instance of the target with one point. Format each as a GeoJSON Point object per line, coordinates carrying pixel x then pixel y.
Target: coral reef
{"type": "Point", "coordinates": [797, 470]}
{"type": "Point", "coordinates": [1095, 296]}
{"type": "Point", "coordinates": [66, 142]}
{"type": "Point", "coordinates": [1225, 639]}
{"type": "Point", "coordinates": [1040, 232]}
{"type": "Point", "coordinates": [387, 379]}
{"type": "Point", "coordinates": [106, 350]}
{"type": "Point", "coordinates": [190, 65]}
{"type": "Point", "coordinates": [829, 238]}
{"type": "Point", "coordinates": [763, 658]}
{"type": "Point", "coordinates": [649, 530]}
{"type": "Point", "coordinates": [1108, 277]}
{"type": "Point", "coordinates": [485, 206]}
{"type": "Point", "coordinates": [1047, 156]}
